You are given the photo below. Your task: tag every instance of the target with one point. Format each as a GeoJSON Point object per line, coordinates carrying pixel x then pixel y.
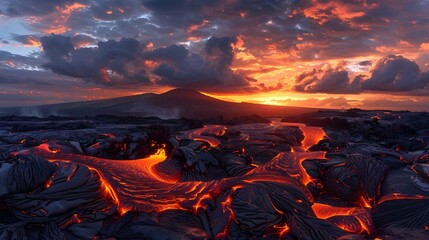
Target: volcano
{"type": "Point", "coordinates": [175, 103]}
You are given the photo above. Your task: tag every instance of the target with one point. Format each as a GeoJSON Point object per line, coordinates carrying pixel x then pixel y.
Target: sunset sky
{"type": "Point", "coordinates": [333, 54]}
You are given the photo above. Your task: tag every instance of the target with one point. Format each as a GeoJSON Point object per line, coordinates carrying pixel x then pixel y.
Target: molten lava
{"type": "Point", "coordinates": [312, 136]}
{"type": "Point", "coordinates": [152, 183]}
{"type": "Point", "coordinates": [351, 219]}
{"type": "Point", "coordinates": [206, 134]}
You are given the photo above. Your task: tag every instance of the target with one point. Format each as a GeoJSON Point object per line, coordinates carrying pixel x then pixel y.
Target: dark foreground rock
{"type": "Point", "coordinates": [117, 178]}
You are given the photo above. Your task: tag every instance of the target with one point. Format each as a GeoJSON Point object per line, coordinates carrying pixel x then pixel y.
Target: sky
{"type": "Point", "coordinates": [332, 54]}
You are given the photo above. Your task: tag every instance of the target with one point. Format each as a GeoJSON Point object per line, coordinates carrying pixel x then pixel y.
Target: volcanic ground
{"type": "Point", "coordinates": [324, 175]}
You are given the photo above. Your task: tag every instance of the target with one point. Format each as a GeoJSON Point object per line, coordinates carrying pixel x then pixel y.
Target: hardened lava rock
{"type": "Point", "coordinates": [133, 178]}
{"type": "Point", "coordinates": [53, 199]}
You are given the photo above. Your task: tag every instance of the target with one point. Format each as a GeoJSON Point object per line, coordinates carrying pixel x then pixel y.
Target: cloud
{"type": "Point", "coordinates": [389, 74]}
{"type": "Point", "coordinates": [81, 40]}
{"type": "Point", "coordinates": [28, 40]}
{"type": "Point", "coordinates": [179, 13]}
{"type": "Point", "coordinates": [15, 61]}
{"type": "Point", "coordinates": [110, 63]}
{"type": "Point", "coordinates": [327, 80]}
{"type": "Point", "coordinates": [208, 70]}
{"type": "Point", "coordinates": [281, 36]}
{"type": "Point", "coordinates": [129, 61]}
{"type": "Point", "coordinates": [365, 63]}
{"type": "Point", "coordinates": [393, 103]}
{"type": "Point", "coordinates": [114, 10]}
{"type": "Point", "coordinates": [329, 102]}
{"type": "Point", "coordinates": [396, 74]}
{"type": "Point", "coordinates": [32, 8]}
{"type": "Point", "coordinates": [57, 47]}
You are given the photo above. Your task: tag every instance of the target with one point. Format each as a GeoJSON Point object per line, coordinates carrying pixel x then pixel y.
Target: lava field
{"type": "Point", "coordinates": [325, 175]}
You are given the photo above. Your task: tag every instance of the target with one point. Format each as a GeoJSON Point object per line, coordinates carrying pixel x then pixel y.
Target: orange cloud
{"type": "Point", "coordinates": [324, 11]}
{"type": "Point", "coordinates": [424, 46]}
{"type": "Point", "coordinates": [245, 56]}
{"type": "Point", "coordinates": [195, 27]}
{"type": "Point", "coordinates": [61, 17]}
{"type": "Point", "coordinates": [238, 44]}
{"type": "Point", "coordinates": [33, 42]}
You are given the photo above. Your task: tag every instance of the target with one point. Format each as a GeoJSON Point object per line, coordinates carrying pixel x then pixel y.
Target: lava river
{"type": "Point", "coordinates": [152, 183]}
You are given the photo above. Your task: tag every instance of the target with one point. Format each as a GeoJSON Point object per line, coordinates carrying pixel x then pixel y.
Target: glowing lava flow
{"type": "Point", "coordinates": [352, 219]}
{"type": "Point", "coordinates": [312, 135]}
{"type": "Point", "coordinates": [203, 134]}
{"type": "Point", "coordinates": [140, 186]}
{"type": "Point", "coordinates": [398, 196]}
{"type": "Point", "coordinates": [151, 184]}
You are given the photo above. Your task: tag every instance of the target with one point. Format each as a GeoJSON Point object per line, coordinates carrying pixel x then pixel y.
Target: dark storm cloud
{"type": "Point", "coordinates": [208, 70]}
{"type": "Point", "coordinates": [330, 80]}
{"type": "Point", "coordinates": [129, 61]}
{"type": "Point", "coordinates": [390, 74]}
{"type": "Point", "coordinates": [327, 29]}
{"type": "Point", "coordinates": [396, 74]}
{"type": "Point", "coordinates": [57, 47]}
{"type": "Point", "coordinates": [110, 63]}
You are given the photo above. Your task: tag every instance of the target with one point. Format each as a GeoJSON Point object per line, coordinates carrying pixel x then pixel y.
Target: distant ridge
{"type": "Point", "coordinates": [175, 103]}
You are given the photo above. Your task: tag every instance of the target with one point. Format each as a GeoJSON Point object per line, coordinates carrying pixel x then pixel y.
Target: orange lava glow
{"type": "Point", "coordinates": [108, 190]}
{"type": "Point", "coordinates": [49, 182]}
{"type": "Point", "coordinates": [151, 184]}
{"type": "Point", "coordinates": [140, 186]}
{"type": "Point", "coordinates": [283, 229]}
{"type": "Point", "coordinates": [205, 134]}
{"type": "Point", "coordinates": [398, 196]}
{"type": "Point", "coordinates": [364, 203]}
{"type": "Point", "coordinates": [324, 211]}
{"type": "Point", "coordinates": [359, 221]}
{"type": "Point", "coordinates": [46, 147]}
{"type": "Point", "coordinates": [312, 136]}
{"type": "Point", "coordinates": [292, 164]}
